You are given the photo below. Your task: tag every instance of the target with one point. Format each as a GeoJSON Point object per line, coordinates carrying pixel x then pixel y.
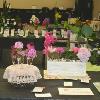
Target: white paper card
{"type": "Point", "coordinates": [43, 95]}
{"type": "Point", "coordinates": [68, 84]}
{"type": "Point", "coordinates": [75, 91]}
{"type": "Point", "coordinates": [38, 89]}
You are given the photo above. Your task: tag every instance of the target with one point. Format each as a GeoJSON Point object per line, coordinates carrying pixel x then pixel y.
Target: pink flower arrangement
{"type": "Point", "coordinates": [34, 20]}
{"type": "Point", "coordinates": [18, 45]}
{"type": "Point", "coordinates": [60, 50]}
{"type": "Point", "coordinates": [49, 39]}
{"type": "Point", "coordinates": [84, 54]}
{"type": "Point", "coordinates": [17, 52]}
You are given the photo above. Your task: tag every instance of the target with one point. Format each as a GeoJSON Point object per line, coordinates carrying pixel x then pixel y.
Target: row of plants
{"type": "Point", "coordinates": [19, 54]}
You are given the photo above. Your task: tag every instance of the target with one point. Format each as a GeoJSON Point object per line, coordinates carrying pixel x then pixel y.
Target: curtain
{"type": "Point", "coordinates": [84, 9]}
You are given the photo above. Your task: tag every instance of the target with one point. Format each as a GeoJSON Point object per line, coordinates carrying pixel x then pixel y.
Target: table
{"type": "Point", "coordinates": [22, 73]}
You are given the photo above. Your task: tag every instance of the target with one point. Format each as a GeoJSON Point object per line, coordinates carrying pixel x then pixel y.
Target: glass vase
{"type": "Point", "coordinates": [29, 61]}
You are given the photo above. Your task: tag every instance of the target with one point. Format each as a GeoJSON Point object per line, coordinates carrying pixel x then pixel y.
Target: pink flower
{"type": "Point", "coordinates": [75, 49]}
{"type": "Point", "coordinates": [18, 45]}
{"type": "Point", "coordinates": [51, 49]}
{"type": "Point", "coordinates": [30, 46]}
{"type": "Point", "coordinates": [31, 53]}
{"type": "Point", "coordinates": [36, 21]}
{"type": "Point", "coordinates": [45, 22]}
{"type": "Point", "coordinates": [60, 50]}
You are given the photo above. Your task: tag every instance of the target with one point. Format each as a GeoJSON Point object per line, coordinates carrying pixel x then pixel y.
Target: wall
{"type": "Point", "coordinates": [27, 4]}
{"type": "Point", "coordinates": [96, 8]}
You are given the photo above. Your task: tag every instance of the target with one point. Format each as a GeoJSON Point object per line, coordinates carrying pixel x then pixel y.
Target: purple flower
{"type": "Point", "coordinates": [83, 54]}
{"type": "Point", "coordinates": [31, 53]}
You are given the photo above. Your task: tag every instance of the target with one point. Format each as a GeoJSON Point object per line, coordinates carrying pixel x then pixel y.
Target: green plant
{"type": "Point", "coordinates": [82, 30]}
{"type": "Point", "coordinates": [70, 55]}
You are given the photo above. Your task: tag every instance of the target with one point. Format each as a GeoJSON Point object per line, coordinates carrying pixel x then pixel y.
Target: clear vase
{"type": "Point", "coordinates": [18, 60]}
{"type": "Point", "coordinates": [29, 61]}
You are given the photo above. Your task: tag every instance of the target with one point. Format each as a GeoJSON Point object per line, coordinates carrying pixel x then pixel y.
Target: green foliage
{"type": "Point", "coordinates": [70, 55]}
{"type": "Point", "coordinates": [87, 31]}
{"type": "Point", "coordinates": [95, 57]}
{"type": "Point", "coordinates": [82, 30]}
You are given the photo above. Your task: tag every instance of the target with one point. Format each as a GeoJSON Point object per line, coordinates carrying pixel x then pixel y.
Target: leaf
{"type": "Point", "coordinates": [87, 31]}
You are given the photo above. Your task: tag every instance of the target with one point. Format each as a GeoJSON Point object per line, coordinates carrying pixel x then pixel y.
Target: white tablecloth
{"type": "Point", "coordinates": [22, 73]}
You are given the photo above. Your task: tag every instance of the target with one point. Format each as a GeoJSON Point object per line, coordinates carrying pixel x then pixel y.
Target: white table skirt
{"type": "Point", "coordinates": [22, 73]}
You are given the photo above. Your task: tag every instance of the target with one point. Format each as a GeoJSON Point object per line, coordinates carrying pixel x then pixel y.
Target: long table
{"type": "Point", "coordinates": [7, 42]}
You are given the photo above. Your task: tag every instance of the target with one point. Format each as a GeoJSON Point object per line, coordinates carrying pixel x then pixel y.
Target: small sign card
{"type": "Point", "coordinates": [43, 95]}
{"type": "Point", "coordinates": [38, 89]}
{"type": "Point", "coordinates": [68, 84]}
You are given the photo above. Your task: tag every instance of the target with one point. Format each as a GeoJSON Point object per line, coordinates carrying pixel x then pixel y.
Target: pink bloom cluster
{"type": "Point", "coordinates": [31, 53]}
{"type": "Point", "coordinates": [84, 54]}
{"type": "Point", "coordinates": [49, 40]}
{"type": "Point", "coordinates": [75, 49]}
{"type": "Point", "coordinates": [60, 50]}
{"type": "Point", "coordinates": [45, 22]}
{"type": "Point", "coordinates": [18, 45]}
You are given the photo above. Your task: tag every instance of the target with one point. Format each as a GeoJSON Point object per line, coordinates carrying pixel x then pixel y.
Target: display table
{"type": "Point", "coordinates": [22, 73]}
{"type": "Point", "coordinates": [66, 70]}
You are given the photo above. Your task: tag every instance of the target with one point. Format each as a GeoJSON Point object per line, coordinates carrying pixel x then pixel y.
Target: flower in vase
{"type": "Point", "coordinates": [18, 45]}
{"type": "Point", "coordinates": [83, 54]}
{"type": "Point", "coordinates": [31, 53]}
{"type": "Point", "coordinates": [34, 20]}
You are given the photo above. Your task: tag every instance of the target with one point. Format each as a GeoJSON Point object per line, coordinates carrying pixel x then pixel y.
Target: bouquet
{"type": "Point", "coordinates": [34, 20]}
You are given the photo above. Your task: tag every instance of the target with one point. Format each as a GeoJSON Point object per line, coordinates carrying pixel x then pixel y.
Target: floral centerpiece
{"type": "Point", "coordinates": [34, 21]}
{"type": "Point", "coordinates": [18, 54]}
{"type": "Point", "coordinates": [50, 51]}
